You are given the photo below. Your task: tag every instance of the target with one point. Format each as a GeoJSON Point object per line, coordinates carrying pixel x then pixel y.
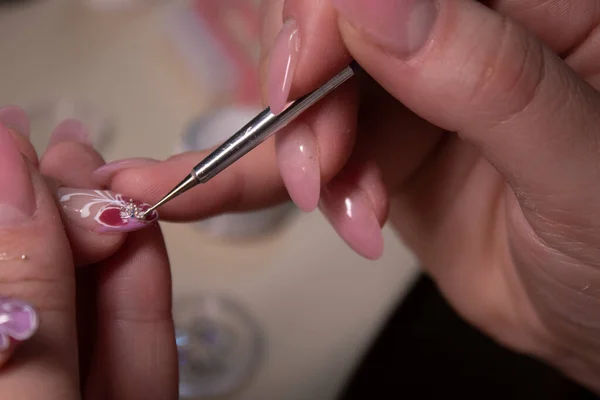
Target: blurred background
{"type": "Point", "coordinates": [268, 305]}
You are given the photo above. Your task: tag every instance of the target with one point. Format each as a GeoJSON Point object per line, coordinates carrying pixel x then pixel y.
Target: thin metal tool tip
{"type": "Point", "coordinates": [182, 187]}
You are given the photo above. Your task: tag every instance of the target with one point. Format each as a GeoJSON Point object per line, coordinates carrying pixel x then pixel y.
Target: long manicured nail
{"type": "Point", "coordinates": [282, 65]}
{"type": "Point", "coordinates": [16, 119]}
{"type": "Point", "coordinates": [104, 174]}
{"type": "Point", "coordinates": [103, 211]}
{"type": "Point", "coordinates": [18, 321]}
{"type": "Point", "coordinates": [70, 130]}
{"type": "Point", "coordinates": [351, 214]}
{"type": "Point", "coordinates": [17, 201]}
{"type": "Point", "coordinates": [298, 160]}
{"type": "Point", "coordinates": [400, 26]}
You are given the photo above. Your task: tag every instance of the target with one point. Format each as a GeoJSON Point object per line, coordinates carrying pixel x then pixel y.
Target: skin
{"type": "Point", "coordinates": [124, 299]}
{"type": "Point", "coordinates": [489, 166]}
{"type": "Point", "coordinates": [103, 300]}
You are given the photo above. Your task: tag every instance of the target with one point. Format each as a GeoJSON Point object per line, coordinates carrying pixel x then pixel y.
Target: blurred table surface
{"type": "Point", "coordinates": [318, 303]}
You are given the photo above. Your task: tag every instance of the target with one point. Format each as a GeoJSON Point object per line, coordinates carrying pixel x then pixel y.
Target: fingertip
{"type": "Point", "coordinates": [298, 161]}
{"type": "Point", "coordinates": [104, 174]}
{"type": "Point", "coordinates": [322, 53]}
{"type": "Point", "coordinates": [349, 210]}
{"type": "Point", "coordinates": [70, 130]}
{"type": "Point", "coordinates": [15, 118]}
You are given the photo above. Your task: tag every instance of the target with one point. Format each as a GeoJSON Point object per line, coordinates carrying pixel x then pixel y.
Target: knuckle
{"type": "Point", "coordinates": [507, 76]}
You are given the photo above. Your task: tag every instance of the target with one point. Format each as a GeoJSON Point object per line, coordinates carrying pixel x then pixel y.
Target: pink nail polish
{"type": "Point", "coordinates": [18, 321]}
{"type": "Point", "coordinates": [350, 213]}
{"type": "Point", "coordinates": [16, 119]}
{"type": "Point", "coordinates": [104, 174]}
{"type": "Point", "coordinates": [103, 211]}
{"type": "Point", "coordinates": [298, 160]}
{"type": "Point", "coordinates": [17, 201]}
{"type": "Point", "coordinates": [282, 65]}
{"type": "Point", "coordinates": [399, 26]}
{"type": "Point", "coordinates": [70, 130]}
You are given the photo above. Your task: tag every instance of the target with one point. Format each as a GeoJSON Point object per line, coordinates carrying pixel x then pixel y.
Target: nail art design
{"type": "Point", "coordinates": [18, 321]}
{"type": "Point", "coordinates": [105, 211]}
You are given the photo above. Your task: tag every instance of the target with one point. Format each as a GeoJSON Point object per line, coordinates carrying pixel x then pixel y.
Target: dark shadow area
{"type": "Point", "coordinates": [7, 3]}
{"type": "Point", "coordinates": [426, 351]}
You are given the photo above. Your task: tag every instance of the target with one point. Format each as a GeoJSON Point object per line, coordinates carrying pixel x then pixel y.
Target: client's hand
{"type": "Point", "coordinates": [101, 331]}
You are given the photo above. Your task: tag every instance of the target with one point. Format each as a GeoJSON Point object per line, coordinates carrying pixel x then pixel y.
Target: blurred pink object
{"type": "Point", "coordinates": [220, 40]}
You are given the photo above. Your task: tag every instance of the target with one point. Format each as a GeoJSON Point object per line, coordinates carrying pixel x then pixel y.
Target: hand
{"type": "Point", "coordinates": [103, 300]}
{"type": "Point", "coordinates": [481, 139]}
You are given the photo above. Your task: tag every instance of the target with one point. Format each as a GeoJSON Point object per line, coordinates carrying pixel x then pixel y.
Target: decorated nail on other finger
{"type": "Point", "coordinates": [18, 322]}
{"type": "Point", "coordinates": [104, 211]}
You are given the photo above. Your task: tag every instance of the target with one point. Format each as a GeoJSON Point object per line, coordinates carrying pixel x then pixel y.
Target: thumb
{"type": "Point", "coordinates": [468, 69]}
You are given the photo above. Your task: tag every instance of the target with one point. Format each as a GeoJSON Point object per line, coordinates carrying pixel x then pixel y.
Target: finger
{"type": "Point", "coordinates": [567, 26]}
{"type": "Point", "coordinates": [250, 183]}
{"type": "Point", "coordinates": [312, 60]}
{"type": "Point", "coordinates": [525, 110]}
{"type": "Point", "coordinates": [71, 160]}
{"type": "Point", "coordinates": [356, 202]}
{"type": "Point", "coordinates": [562, 24]}
{"type": "Point", "coordinates": [136, 354]}
{"type": "Point", "coordinates": [36, 267]}
{"type": "Point", "coordinates": [296, 60]}
{"type": "Point", "coordinates": [356, 205]}
{"type": "Point", "coordinates": [16, 120]}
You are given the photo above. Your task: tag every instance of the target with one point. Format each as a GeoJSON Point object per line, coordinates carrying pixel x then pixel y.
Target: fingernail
{"type": "Point", "coordinates": [16, 119]}
{"type": "Point", "coordinates": [70, 130]}
{"type": "Point", "coordinates": [401, 26]}
{"type": "Point", "coordinates": [298, 160]}
{"type": "Point", "coordinates": [17, 201]}
{"type": "Point", "coordinates": [18, 321]}
{"type": "Point", "coordinates": [282, 65]}
{"type": "Point", "coordinates": [104, 174]}
{"type": "Point", "coordinates": [351, 214]}
{"type": "Point", "coordinates": [104, 211]}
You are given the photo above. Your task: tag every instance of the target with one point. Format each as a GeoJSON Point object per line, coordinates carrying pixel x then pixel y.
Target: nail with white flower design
{"type": "Point", "coordinates": [105, 211]}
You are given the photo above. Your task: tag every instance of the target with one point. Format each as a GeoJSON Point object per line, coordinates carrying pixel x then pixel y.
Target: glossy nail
{"type": "Point", "coordinates": [17, 202]}
{"type": "Point", "coordinates": [351, 214]}
{"type": "Point", "coordinates": [282, 65]}
{"type": "Point", "coordinates": [16, 119]}
{"type": "Point", "coordinates": [18, 321]}
{"type": "Point", "coordinates": [104, 174]}
{"type": "Point", "coordinates": [70, 130]}
{"type": "Point", "coordinates": [298, 160]}
{"type": "Point", "coordinates": [399, 26]}
{"type": "Point", "coordinates": [103, 211]}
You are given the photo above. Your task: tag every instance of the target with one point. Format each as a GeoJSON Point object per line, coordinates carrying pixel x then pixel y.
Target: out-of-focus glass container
{"type": "Point", "coordinates": [219, 345]}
